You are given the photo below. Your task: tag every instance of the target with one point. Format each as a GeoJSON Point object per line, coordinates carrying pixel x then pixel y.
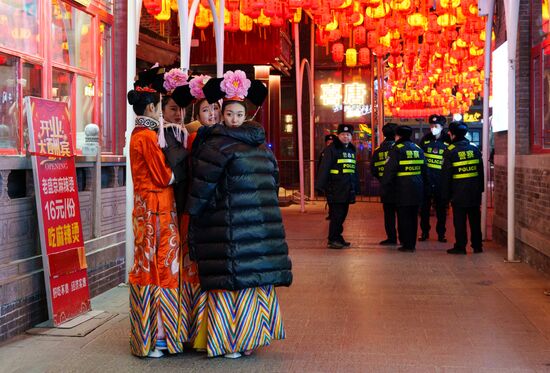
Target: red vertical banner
{"type": "Point", "coordinates": [58, 208]}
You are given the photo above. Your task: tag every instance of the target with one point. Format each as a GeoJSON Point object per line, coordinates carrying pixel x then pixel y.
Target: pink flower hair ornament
{"type": "Point", "coordinates": [175, 78]}
{"type": "Point", "coordinates": [235, 85]}
{"type": "Point", "coordinates": [196, 84]}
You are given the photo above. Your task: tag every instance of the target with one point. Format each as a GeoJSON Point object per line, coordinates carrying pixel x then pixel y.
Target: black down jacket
{"type": "Point", "coordinates": [337, 173]}
{"type": "Point", "coordinates": [405, 174]}
{"type": "Point", "coordinates": [377, 164]}
{"type": "Point", "coordinates": [236, 234]}
{"type": "Point", "coordinates": [177, 159]}
{"type": "Point", "coordinates": [462, 178]}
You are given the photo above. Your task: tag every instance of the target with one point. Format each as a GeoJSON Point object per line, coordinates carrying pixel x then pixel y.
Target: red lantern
{"type": "Point", "coordinates": [270, 8]}
{"type": "Point", "coordinates": [338, 52]}
{"type": "Point", "coordinates": [232, 5]}
{"type": "Point", "coordinates": [334, 35]}
{"type": "Point", "coordinates": [372, 39]}
{"type": "Point", "coordinates": [360, 35]}
{"type": "Point", "coordinates": [277, 21]}
{"type": "Point", "coordinates": [364, 56]}
{"type": "Point", "coordinates": [321, 37]}
{"type": "Point", "coordinates": [344, 27]}
{"type": "Point", "coordinates": [153, 7]}
{"type": "Point", "coordinates": [233, 24]}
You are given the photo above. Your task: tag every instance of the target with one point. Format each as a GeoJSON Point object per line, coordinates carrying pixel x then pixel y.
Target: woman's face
{"type": "Point", "coordinates": [234, 115]}
{"type": "Point", "coordinates": [153, 111]}
{"type": "Point", "coordinates": [209, 114]}
{"type": "Point", "coordinates": [172, 112]}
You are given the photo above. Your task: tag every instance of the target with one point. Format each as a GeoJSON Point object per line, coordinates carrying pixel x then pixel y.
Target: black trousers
{"type": "Point", "coordinates": [473, 214]}
{"type": "Point", "coordinates": [440, 212]}
{"type": "Point", "coordinates": [337, 213]}
{"type": "Point", "coordinates": [390, 210]}
{"type": "Point", "coordinates": [407, 223]}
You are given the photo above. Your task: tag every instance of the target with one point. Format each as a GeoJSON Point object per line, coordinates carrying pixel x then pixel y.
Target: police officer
{"type": "Point", "coordinates": [434, 144]}
{"type": "Point", "coordinates": [337, 177]}
{"type": "Point", "coordinates": [462, 184]}
{"type": "Point", "coordinates": [377, 164]}
{"type": "Point", "coordinates": [329, 139]}
{"type": "Point", "coordinates": [405, 175]}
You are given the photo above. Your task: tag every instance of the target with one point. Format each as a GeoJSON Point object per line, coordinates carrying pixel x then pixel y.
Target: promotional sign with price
{"type": "Point", "coordinates": [64, 257]}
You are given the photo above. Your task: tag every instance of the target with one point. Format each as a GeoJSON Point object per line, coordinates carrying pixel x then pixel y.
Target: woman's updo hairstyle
{"type": "Point", "coordinates": [140, 99]}
{"type": "Point", "coordinates": [147, 89]}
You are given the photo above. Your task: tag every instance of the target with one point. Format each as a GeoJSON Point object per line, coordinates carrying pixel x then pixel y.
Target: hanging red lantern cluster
{"type": "Point", "coordinates": [427, 45]}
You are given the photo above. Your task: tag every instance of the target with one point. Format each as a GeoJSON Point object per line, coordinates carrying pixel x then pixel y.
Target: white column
{"type": "Point", "coordinates": [134, 8]}
{"type": "Point", "coordinates": [219, 27]}
{"type": "Point", "coordinates": [486, 123]}
{"type": "Point", "coordinates": [296, 32]}
{"type": "Point", "coordinates": [511, 8]}
{"type": "Point", "coordinates": [312, 111]}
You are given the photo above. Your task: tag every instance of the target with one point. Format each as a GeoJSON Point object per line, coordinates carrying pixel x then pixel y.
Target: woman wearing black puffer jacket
{"type": "Point", "coordinates": [236, 233]}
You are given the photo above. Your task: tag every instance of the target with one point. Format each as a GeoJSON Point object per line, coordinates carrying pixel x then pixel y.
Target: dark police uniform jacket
{"type": "Point", "coordinates": [405, 173]}
{"type": "Point", "coordinates": [379, 159]}
{"type": "Point", "coordinates": [337, 174]}
{"type": "Point", "coordinates": [433, 151]}
{"type": "Point", "coordinates": [462, 175]}
{"type": "Point", "coordinates": [236, 233]}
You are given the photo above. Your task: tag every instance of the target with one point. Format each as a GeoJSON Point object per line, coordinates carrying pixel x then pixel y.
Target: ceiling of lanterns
{"type": "Point", "coordinates": [432, 49]}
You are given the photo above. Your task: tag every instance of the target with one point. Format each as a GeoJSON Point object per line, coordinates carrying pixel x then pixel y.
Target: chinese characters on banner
{"type": "Point", "coordinates": [64, 257]}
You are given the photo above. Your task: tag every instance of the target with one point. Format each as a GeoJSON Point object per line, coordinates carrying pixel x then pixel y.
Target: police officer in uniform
{"type": "Point", "coordinates": [337, 178]}
{"type": "Point", "coordinates": [462, 184]}
{"type": "Point", "coordinates": [405, 175]}
{"type": "Point", "coordinates": [434, 144]}
{"type": "Point", "coordinates": [329, 139]}
{"type": "Point", "coordinates": [379, 158]}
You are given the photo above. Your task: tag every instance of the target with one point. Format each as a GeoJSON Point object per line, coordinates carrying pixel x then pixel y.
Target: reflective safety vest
{"type": "Point", "coordinates": [380, 161]}
{"type": "Point", "coordinates": [467, 165]}
{"type": "Point", "coordinates": [411, 165]}
{"type": "Point", "coordinates": [345, 164]}
{"type": "Point", "coordinates": [433, 151]}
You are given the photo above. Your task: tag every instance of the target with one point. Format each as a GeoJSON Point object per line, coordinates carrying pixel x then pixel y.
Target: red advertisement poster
{"type": "Point", "coordinates": [56, 190]}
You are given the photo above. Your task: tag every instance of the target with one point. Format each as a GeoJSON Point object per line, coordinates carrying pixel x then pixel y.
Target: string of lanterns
{"type": "Point", "coordinates": [432, 49]}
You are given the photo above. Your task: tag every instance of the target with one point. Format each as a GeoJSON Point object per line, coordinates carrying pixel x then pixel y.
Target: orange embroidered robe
{"type": "Point", "coordinates": [156, 252]}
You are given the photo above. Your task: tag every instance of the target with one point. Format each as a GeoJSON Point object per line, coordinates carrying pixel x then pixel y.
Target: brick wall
{"type": "Point", "coordinates": [22, 289]}
{"type": "Point", "coordinates": [532, 173]}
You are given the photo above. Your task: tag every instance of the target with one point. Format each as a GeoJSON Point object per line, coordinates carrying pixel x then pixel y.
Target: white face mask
{"type": "Point", "coordinates": [435, 131]}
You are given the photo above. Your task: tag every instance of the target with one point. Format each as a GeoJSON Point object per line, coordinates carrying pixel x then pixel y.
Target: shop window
{"type": "Point", "coordinates": [81, 179]}
{"type": "Point", "coordinates": [72, 41]}
{"type": "Point", "coordinates": [19, 24]}
{"type": "Point", "coordinates": [84, 107]}
{"type": "Point", "coordinates": [17, 184]}
{"type": "Point", "coordinates": [121, 176]}
{"type": "Point", "coordinates": [105, 95]}
{"type": "Point", "coordinates": [540, 77]}
{"type": "Point", "coordinates": [32, 80]}
{"type": "Point", "coordinates": [9, 103]}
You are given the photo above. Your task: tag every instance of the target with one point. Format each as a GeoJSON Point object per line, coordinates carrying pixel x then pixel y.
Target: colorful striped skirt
{"type": "Point", "coordinates": [181, 315]}
{"type": "Point", "coordinates": [242, 320]}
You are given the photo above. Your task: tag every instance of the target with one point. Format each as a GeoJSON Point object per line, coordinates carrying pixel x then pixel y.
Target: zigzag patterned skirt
{"type": "Point", "coordinates": [242, 320]}
{"type": "Point", "coordinates": [182, 316]}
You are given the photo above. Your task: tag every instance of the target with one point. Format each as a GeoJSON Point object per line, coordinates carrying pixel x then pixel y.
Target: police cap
{"type": "Point", "coordinates": [437, 119]}
{"type": "Point", "coordinates": [330, 137]}
{"type": "Point", "coordinates": [345, 128]}
{"type": "Point", "coordinates": [458, 129]}
{"type": "Point", "coordinates": [404, 132]}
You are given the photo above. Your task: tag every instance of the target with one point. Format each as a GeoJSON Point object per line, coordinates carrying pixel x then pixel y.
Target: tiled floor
{"type": "Point", "coordinates": [364, 309]}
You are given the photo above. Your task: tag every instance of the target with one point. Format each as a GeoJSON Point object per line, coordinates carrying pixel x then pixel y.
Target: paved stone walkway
{"type": "Point", "coordinates": [364, 309]}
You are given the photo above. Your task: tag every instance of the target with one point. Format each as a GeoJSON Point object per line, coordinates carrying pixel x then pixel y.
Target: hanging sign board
{"type": "Point", "coordinates": [58, 208]}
